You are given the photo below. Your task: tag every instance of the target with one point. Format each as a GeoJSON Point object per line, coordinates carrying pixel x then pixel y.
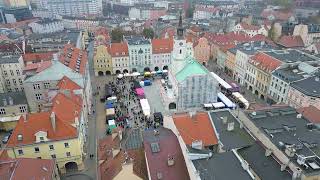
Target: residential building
{"type": "Point", "coordinates": [45, 26]}
{"type": "Point", "coordinates": [58, 134]}
{"type": "Point", "coordinates": [102, 61]}
{"type": "Point", "coordinates": [298, 140]}
{"type": "Point", "coordinates": [54, 42]}
{"type": "Point", "coordinates": [11, 68]}
{"type": "Point", "coordinates": [202, 50]}
{"type": "Point", "coordinates": [120, 58]}
{"type": "Point", "coordinates": [307, 3]}
{"type": "Point", "coordinates": [314, 48]}
{"type": "Point", "coordinates": [258, 75]}
{"type": "Point", "coordinates": [27, 168]}
{"type": "Point", "coordinates": [38, 86]}
{"type": "Point", "coordinates": [243, 52]}
{"type": "Point", "coordinates": [205, 12]}
{"type": "Point", "coordinates": [304, 93]}
{"type": "Point", "coordinates": [309, 33]}
{"type": "Point", "coordinates": [74, 7]}
{"type": "Point", "coordinates": [144, 13]}
{"type": "Point", "coordinates": [79, 23]}
{"type": "Point", "coordinates": [15, 3]}
{"type": "Point", "coordinates": [34, 68]}
{"type": "Point", "coordinates": [291, 42]}
{"type": "Point", "coordinates": [311, 113]}
{"type": "Point", "coordinates": [251, 30]}
{"type": "Point", "coordinates": [277, 15]}
{"type": "Point", "coordinates": [287, 74]}
{"type": "Point", "coordinates": [140, 51]}
{"type": "Point", "coordinates": [221, 56]}
{"type": "Point", "coordinates": [74, 58]}
{"type": "Point", "coordinates": [163, 154]}
{"type": "Point", "coordinates": [12, 106]}
{"type": "Point", "coordinates": [161, 53]}
{"type": "Point", "coordinates": [230, 62]}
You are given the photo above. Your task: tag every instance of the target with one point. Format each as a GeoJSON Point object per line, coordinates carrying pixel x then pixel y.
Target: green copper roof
{"type": "Point", "coordinates": [191, 68]}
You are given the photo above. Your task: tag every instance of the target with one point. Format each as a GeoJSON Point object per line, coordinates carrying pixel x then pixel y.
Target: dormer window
{"type": "Point", "coordinates": [20, 137]}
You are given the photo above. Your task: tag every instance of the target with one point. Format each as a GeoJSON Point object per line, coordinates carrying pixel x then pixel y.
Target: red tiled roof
{"type": "Point", "coordinates": [38, 67]}
{"type": "Point", "coordinates": [67, 84]}
{"type": "Point", "coordinates": [37, 57]}
{"type": "Point", "coordinates": [27, 168]}
{"type": "Point", "coordinates": [291, 41]}
{"type": "Point", "coordinates": [229, 38]}
{"type": "Point", "coordinates": [66, 109]}
{"type": "Point", "coordinates": [195, 29]}
{"type": "Point", "coordinates": [160, 46]}
{"type": "Point", "coordinates": [195, 128]}
{"type": "Point", "coordinates": [70, 56]}
{"type": "Point", "coordinates": [169, 31]}
{"type": "Point", "coordinates": [158, 161]}
{"type": "Point", "coordinates": [118, 49]}
{"type": "Point", "coordinates": [265, 62]}
{"type": "Point", "coordinates": [311, 113]}
{"type": "Point", "coordinates": [249, 27]}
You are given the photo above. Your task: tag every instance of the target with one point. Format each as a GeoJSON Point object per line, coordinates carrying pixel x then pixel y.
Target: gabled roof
{"type": "Point", "coordinates": [67, 84]}
{"type": "Point", "coordinates": [55, 73]}
{"type": "Point", "coordinates": [311, 113]}
{"type": "Point", "coordinates": [27, 168]}
{"type": "Point", "coordinates": [158, 148]}
{"type": "Point", "coordinates": [37, 67]}
{"type": "Point", "coordinates": [291, 41]}
{"type": "Point", "coordinates": [74, 58]}
{"type": "Point", "coordinates": [43, 56]}
{"type": "Point", "coordinates": [264, 62]}
{"type": "Point", "coordinates": [119, 49]}
{"type": "Point", "coordinates": [249, 27]}
{"type": "Point", "coordinates": [66, 109]}
{"type": "Point", "coordinates": [191, 68]}
{"type": "Point", "coordinates": [195, 128]}
{"type": "Point", "coordinates": [160, 46]}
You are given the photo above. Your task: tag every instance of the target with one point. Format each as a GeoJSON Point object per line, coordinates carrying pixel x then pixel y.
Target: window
{"type": "Point", "coordinates": [51, 147]}
{"type": "Point", "coordinates": [14, 81]}
{"type": "Point", "coordinates": [8, 82]}
{"type": "Point", "coordinates": [39, 158]}
{"type": "Point", "coordinates": [20, 152]}
{"type": "Point", "coordinates": [41, 139]}
{"type": "Point", "coordinates": [11, 72]}
{"type": "Point", "coordinates": [53, 156]}
{"type": "Point", "coordinates": [18, 72]}
{"type": "Point", "coordinates": [36, 150]}
{"type": "Point", "coordinates": [2, 111]}
{"type": "Point", "coordinates": [46, 85]}
{"type": "Point", "coordinates": [66, 145]}
{"type": "Point", "coordinates": [68, 154]}
{"type": "Point", "coordinates": [36, 86]}
{"type": "Point", "coordinates": [23, 109]}
{"type": "Point", "coordinates": [38, 96]}
{"type": "Point", "coordinates": [5, 73]}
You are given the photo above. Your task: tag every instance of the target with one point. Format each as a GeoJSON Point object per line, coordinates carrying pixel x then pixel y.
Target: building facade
{"type": "Point", "coordinates": [202, 50]}
{"type": "Point", "coordinates": [11, 79]}
{"type": "Point", "coordinates": [47, 26]}
{"type": "Point", "coordinates": [120, 58]}
{"type": "Point", "coordinates": [161, 53]}
{"type": "Point", "coordinates": [102, 61]}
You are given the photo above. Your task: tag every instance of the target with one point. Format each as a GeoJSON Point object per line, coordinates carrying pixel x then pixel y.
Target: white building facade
{"type": "Point", "coordinates": [47, 26]}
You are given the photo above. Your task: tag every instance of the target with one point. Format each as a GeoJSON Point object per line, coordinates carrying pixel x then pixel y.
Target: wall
{"type": "Point", "coordinates": [297, 100]}
{"type": "Point", "coordinates": [102, 60]}
{"type": "Point", "coordinates": [202, 50]}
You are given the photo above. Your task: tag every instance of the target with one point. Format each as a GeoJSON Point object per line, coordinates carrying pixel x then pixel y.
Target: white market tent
{"type": "Point", "coordinates": [223, 83]}
{"type": "Point", "coordinates": [218, 105]}
{"type": "Point", "coordinates": [145, 107]}
{"type": "Point", "coordinates": [226, 101]}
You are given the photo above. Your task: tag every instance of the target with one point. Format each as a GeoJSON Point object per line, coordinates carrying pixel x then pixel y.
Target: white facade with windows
{"type": "Point", "coordinates": [13, 104]}
{"type": "Point", "coordinates": [11, 79]}
{"type": "Point", "coordinates": [120, 63]}
{"type": "Point", "coordinates": [47, 26]}
{"type": "Point", "coordinates": [160, 61]}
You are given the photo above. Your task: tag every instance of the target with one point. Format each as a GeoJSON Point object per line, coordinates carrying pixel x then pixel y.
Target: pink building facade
{"type": "Point", "coordinates": [297, 99]}
{"type": "Point", "coordinates": [202, 50]}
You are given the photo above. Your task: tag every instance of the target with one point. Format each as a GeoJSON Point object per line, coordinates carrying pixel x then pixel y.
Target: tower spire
{"type": "Point", "coordinates": [180, 28]}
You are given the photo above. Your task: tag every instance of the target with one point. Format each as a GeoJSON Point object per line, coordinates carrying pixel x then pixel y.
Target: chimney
{"type": "Point", "coordinates": [10, 101]}
{"type": "Point", "coordinates": [53, 120]}
{"type": "Point", "coordinates": [197, 144]}
{"type": "Point", "coordinates": [170, 161]}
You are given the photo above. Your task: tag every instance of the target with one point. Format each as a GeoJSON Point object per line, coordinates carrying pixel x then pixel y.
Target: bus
{"type": "Point", "coordinates": [225, 100]}
{"type": "Point", "coordinates": [224, 86]}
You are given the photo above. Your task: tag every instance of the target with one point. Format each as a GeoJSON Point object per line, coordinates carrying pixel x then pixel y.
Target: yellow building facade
{"type": "Point", "coordinates": [102, 61]}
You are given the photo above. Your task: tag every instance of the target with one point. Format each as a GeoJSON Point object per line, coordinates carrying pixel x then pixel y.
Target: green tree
{"type": "Point", "coordinates": [148, 33]}
{"type": "Point", "coordinates": [116, 35]}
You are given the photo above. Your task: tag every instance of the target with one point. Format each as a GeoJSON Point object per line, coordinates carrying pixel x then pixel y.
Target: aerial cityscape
{"type": "Point", "coordinates": [159, 89]}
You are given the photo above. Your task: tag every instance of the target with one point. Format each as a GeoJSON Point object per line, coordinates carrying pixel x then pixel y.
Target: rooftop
{"type": "Point", "coordinates": [9, 59]}
{"type": "Point", "coordinates": [134, 140]}
{"type": "Point", "coordinates": [221, 166]}
{"type": "Point", "coordinates": [291, 41]}
{"type": "Point", "coordinates": [311, 113]}
{"type": "Point", "coordinates": [292, 134]}
{"type": "Point", "coordinates": [74, 58]}
{"type": "Point", "coordinates": [67, 84]}
{"type": "Point", "coordinates": [265, 62]}
{"type": "Point", "coordinates": [291, 56]}
{"type": "Point", "coordinates": [188, 68]}
{"type": "Point", "coordinates": [160, 146]}
{"type": "Point", "coordinates": [251, 48]}
{"type": "Point", "coordinates": [15, 98]}
{"type": "Point", "coordinates": [309, 86]}
{"type": "Point", "coordinates": [118, 49]}
{"type": "Point", "coordinates": [160, 46]}
{"type": "Point", "coordinates": [296, 72]}
{"type": "Point", "coordinates": [25, 168]}
{"type": "Point", "coordinates": [37, 57]}
{"type": "Point", "coordinates": [195, 128]}
{"type": "Point", "coordinates": [64, 36]}
{"type": "Point", "coordinates": [65, 109]}
{"type": "Point", "coordinates": [47, 21]}
{"type": "Point", "coordinates": [136, 40]}
{"type": "Point", "coordinates": [231, 139]}
{"type": "Point", "coordinates": [266, 167]}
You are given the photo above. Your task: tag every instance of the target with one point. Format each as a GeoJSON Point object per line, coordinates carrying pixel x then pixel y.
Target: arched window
{"type": "Point", "coordinates": [180, 51]}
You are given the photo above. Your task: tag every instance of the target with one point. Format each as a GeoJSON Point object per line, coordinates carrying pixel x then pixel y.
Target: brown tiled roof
{"type": "Point", "coordinates": [194, 128]}
{"type": "Point", "coordinates": [249, 27]}
{"type": "Point", "coordinates": [66, 109]}
{"type": "Point", "coordinates": [160, 46]}
{"type": "Point", "coordinates": [265, 62]}
{"type": "Point", "coordinates": [37, 57]}
{"type": "Point", "coordinates": [37, 67]}
{"type": "Point", "coordinates": [291, 41]}
{"type": "Point", "coordinates": [70, 55]}
{"type": "Point", "coordinates": [67, 84]}
{"type": "Point", "coordinates": [158, 161]}
{"type": "Point", "coordinates": [25, 168]}
{"type": "Point", "coordinates": [311, 113]}
{"type": "Point", "coordinates": [118, 49]}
